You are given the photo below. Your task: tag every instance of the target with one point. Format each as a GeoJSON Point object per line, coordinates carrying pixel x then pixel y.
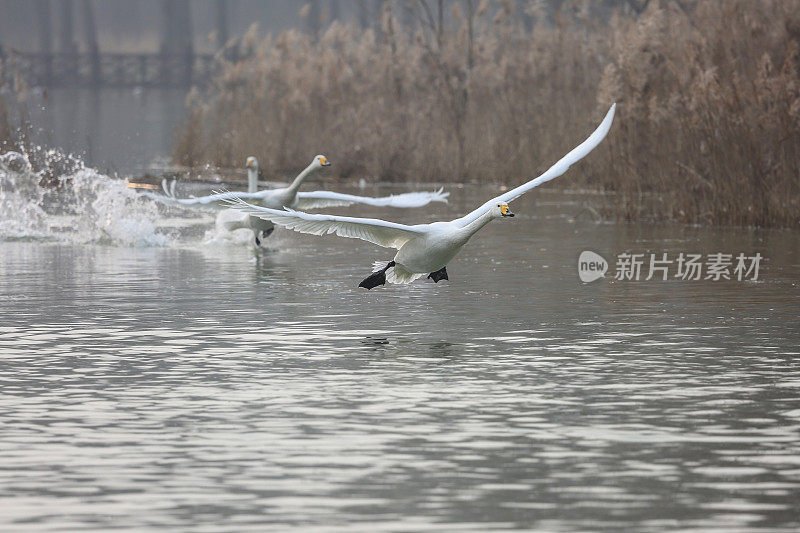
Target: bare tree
{"type": "Point", "coordinates": [90, 30]}
{"type": "Point", "coordinates": [313, 18]}
{"type": "Point", "coordinates": [67, 43]}
{"type": "Point", "coordinates": [362, 11]}
{"type": "Point", "coordinates": [222, 22]}
{"type": "Point", "coordinates": [45, 36]}
{"type": "Point", "coordinates": [176, 37]}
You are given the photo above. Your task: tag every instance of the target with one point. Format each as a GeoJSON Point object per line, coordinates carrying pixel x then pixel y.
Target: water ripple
{"type": "Point", "coordinates": [176, 389]}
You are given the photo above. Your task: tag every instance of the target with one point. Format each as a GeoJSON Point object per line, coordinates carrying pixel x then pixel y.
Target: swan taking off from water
{"type": "Point", "coordinates": [292, 198]}
{"type": "Point", "coordinates": [423, 248]}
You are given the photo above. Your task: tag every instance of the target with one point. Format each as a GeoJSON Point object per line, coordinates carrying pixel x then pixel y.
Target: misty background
{"type": "Point", "coordinates": [437, 91]}
{"type": "Point", "coordinates": [107, 81]}
{"type": "Point", "coordinates": [124, 125]}
{"type": "Point", "coordinates": [147, 25]}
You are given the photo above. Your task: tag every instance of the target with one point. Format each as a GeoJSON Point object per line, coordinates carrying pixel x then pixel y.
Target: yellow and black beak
{"type": "Point", "coordinates": [324, 162]}
{"type": "Point", "coordinates": [505, 212]}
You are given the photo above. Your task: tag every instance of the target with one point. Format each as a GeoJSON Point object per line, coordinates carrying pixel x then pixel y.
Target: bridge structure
{"type": "Point", "coordinates": [65, 57]}
{"type": "Point", "coordinates": [121, 70]}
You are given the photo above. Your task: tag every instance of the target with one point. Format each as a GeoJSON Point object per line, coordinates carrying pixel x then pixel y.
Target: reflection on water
{"type": "Point", "coordinates": [220, 388]}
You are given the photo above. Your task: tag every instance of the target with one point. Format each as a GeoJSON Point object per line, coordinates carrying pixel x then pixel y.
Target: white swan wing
{"type": "Point", "coordinates": [376, 231]}
{"type": "Point", "coordinates": [563, 164]}
{"type": "Point", "coordinates": [216, 198]}
{"type": "Point", "coordinates": [317, 199]}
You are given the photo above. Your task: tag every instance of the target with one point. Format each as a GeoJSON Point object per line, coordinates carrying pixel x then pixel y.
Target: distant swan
{"type": "Point", "coordinates": [291, 197]}
{"type": "Point", "coordinates": [423, 248]}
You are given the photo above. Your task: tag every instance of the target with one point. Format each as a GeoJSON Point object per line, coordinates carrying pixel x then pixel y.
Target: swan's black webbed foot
{"type": "Point", "coordinates": [263, 235]}
{"type": "Point", "coordinates": [376, 278]}
{"type": "Point", "coordinates": [439, 275]}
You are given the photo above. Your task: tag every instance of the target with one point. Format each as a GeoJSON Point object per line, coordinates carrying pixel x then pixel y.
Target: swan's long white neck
{"type": "Point", "coordinates": [472, 228]}
{"type": "Point", "coordinates": [252, 179]}
{"type": "Point", "coordinates": [295, 186]}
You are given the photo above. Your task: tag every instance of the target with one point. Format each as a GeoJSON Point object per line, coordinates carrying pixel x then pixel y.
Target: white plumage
{"type": "Point", "coordinates": [317, 199]}
{"type": "Point", "coordinates": [422, 248]}
{"type": "Point", "coordinates": [290, 197]}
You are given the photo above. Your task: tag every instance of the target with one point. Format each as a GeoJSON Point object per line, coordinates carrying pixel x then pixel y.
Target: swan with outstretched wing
{"type": "Point", "coordinates": [422, 248]}
{"type": "Point", "coordinates": [290, 197]}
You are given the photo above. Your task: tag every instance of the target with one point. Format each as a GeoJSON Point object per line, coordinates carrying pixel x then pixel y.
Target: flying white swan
{"type": "Point", "coordinates": [422, 248]}
{"type": "Point", "coordinates": [291, 197]}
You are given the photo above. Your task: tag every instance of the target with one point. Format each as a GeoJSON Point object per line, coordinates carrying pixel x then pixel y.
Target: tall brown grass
{"type": "Point", "coordinates": [707, 128]}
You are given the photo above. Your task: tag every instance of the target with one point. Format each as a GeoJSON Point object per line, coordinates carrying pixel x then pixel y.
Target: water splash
{"type": "Point", "coordinates": [221, 233]}
{"type": "Point", "coordinates": [64, 201]}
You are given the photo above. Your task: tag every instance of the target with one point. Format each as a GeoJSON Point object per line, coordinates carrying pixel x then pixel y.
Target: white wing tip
{"type": "Point", "coordinates": [605, 125]}
{"type": "Point", "coordinates": [611, 111]}
{"type": "Point", "coordinates": [233, 201]}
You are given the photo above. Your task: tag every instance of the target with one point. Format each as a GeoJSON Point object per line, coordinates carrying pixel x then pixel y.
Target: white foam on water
{"type": "Point", "coordinates": [67, 202]}
{"type": "Point", "coordinates": [80, 206]}
{"type": "Point", "coordinates": [222, 235]}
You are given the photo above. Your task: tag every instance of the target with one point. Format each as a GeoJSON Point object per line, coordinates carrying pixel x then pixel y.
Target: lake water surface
{"type": "Point", "coordinates": [157, 377]}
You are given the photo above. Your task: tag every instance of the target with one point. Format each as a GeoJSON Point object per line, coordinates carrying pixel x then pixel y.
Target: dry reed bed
{"type": "Point", "coordinates": [707, 130]}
